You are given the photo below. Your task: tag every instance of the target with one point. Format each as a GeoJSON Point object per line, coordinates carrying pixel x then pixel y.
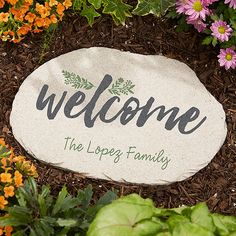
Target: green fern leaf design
{"type": "Point", "coordinates": [76, 81]}
{"type": "Point", "coordinates": [121, 86]}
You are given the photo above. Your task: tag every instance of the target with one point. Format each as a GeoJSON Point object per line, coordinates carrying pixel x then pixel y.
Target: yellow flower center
{"type": "Point", "coordinates": [228, 57]}
{"type": "Point", "coordinates": [221, 29]}
{"type": "Point", "coordinates": [197, 6]}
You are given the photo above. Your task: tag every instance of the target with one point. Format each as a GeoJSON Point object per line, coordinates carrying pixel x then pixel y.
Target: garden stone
{"type": "Point", "coordinates": [116, 115]}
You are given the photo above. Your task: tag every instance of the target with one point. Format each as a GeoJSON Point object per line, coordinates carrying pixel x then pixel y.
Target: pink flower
{"type": "Point", "coordinates": [232, 3]}
{"type": "Point", "coordinates": [197, 9]}
{"type": "Point", "coordinates": [198, 24]}
{"type": "Point", "coordinates": [227, 58]}
{"type": "Point", "coordinates": [221, 30]}
{"type": "Point", "coordinates": [181, 6]}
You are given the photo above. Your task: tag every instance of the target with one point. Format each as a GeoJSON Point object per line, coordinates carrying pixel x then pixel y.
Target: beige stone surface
{"type": "Point", "coordinates": [170, 82]}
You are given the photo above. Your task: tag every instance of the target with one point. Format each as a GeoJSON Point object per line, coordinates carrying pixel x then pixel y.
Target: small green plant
{"type": "Point", "coordinates": [38, 213]}
{"type": "Point", "coordinates": [135, 216]}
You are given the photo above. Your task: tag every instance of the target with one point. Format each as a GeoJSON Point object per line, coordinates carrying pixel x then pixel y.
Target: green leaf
{"type": "Point", "coordinates": [66, 222]}
{"type": "Point", "coordinates": [214, 42]}
{"type": "Point", "coordinates": [120, 217]}
{"type": "Point", "coordinates": [224, 224]}
{"type": "Point", "coordinates": [156, 7]}
{"type": "Point", "coordinates": [62, 195]}
{"type": "Point", "coordinates": [12, 221]}
{"type": "Point", "coordinates": [90, 13]}
{"type": "Point", "coordinates": [188, 229]}
{"type": "Point", "coordinates": [118, 10]}
{"type": "Point", "coordinates": [175, 220]}
{"type": "Point", "coordinates": [201, 216]}
{"type": "Point", "coordinates": [107, 198]}
{"type": "Point", "coordinates": [207, 40]}
{"type": "Point", "coordinates": [96, 3]}
{"type": "Point", "coordinates": [77, 5]}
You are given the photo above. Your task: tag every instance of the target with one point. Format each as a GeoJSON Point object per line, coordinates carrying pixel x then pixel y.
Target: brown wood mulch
{"type": "Point", "coordinates": [215, 184]}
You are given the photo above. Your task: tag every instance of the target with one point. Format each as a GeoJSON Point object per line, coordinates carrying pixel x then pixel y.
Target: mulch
{"type": "Point", "coordinates": [215, 184]}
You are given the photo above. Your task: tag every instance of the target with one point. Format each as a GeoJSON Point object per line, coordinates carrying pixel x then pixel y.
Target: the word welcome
{"type": "Point", "coordinates": [128, 111]}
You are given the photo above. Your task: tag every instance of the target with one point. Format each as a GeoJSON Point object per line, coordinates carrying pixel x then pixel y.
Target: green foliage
{"type": "Point", "coordinates": [119, 10]}
{"type": "Point", "coordinates": [38, 213]}
{"type": "Point", "coordinates": [76, 81]}
{"type": "Point", "coordinates": [156, 7]}
{"type": "Point", "coordinates": [121, 87]}
{"type": "Point", "coordinates": [134, 216]}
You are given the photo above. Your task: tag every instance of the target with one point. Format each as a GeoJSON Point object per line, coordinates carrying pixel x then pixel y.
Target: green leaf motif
{"type": "Point", "coordinates": [155, 7]}
{"type": "Point", "coordinates": [121, 87]}
{"type": "Point", "coordinates": [118, 10]}
{"type": "Point", "coordinates": [76, 81]}
{"type": "Point", "coordinates": [90, 13]}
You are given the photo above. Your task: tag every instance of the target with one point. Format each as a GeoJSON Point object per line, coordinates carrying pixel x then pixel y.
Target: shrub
{"type": "Point", "coordinates": [132, 216]}
{"type": "Point", "coordinates": [13, 169]}
{"type": "Point", "coordinates": [38, 213]}
{"type": "Point", "coordinates": [19, 17]}
{"type": "Point", "coordinates": [216, 19]}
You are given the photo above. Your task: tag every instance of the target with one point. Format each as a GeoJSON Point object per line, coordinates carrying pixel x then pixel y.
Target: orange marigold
{"type": "Point", "coordinates": [2, 142]}
{"type": "Point", "coordinates": [24, 8]}
{"type": "Point", "coordinates": [42, 10]}
{"type": "Point", "coordinates": [1, 231]}
{"type": "Point", "coordinates": [53, 3]}
{"type": "Point", "coordinates": [3, 202]}
{"type": "Point", "coordinates": [6, 178]}
{"type": "Point", "coordinates": [9, 191]}
{"type": "Point", "coordinates": [30, 17]}
{"type": "Point", "coordinates": [60, 9]}
{"type": "Point", "coordinates": [29, 1]}
{"type": "Point", "coordinates": [12, 2]}
{"type": "Point", "coordinates": [53, 18]}
{"type": "Point", "coordinates": [8, 230]}
{"type": "Point", "coordinates": [2, 3]}
{"type": "Point", "coordinates": [67, 3]}
{"type": "Point", "coordinates": [18, 179]}
{"type": "Point", "coordinates": [4, 160]}
{"type": "Point", "coordinates": [18, 15]}
{"type": "Point", "coordinates": [4, 17]}
{"type": "Point", "coordinates": [39, 22]}
{"type": "Point", "coordinates": [23, 30]}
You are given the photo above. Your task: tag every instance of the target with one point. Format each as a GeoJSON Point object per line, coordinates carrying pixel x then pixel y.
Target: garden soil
{"type": "Point", "coordinates": [215, 184]}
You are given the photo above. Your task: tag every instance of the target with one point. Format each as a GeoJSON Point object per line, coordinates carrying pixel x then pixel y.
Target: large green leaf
{"type": "Point", "coordinates": [122, 218]}
{"type": "Point", "coordinates": [61, 197]}
{"type": "Point", "coordinates": [190, 229]}
{"type": "Point", "coordinates": [90, 13]}
{"type": "Point", "coordinates": [201, 216]}
{"type": "Point", "coordinates": [156, 7]}
{"type": "Point", "coordinates": [118, 10]}
{"type": "Point", "coordinates": [224, 224]}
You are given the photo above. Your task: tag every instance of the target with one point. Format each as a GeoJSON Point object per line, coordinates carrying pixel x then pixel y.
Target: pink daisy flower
{"type": "Point", "coordinates": [198, 24]}
{"type": "Point", "coordinates": [221, 30]}
{"type": "Point", "coordinates": [181, 6]}
{"type": "Point", "coordinates": [227, 58]}
{"type": "Point", "coordinates": [232, 3]}
{"type": "Point", "coordinates": [196, 9]}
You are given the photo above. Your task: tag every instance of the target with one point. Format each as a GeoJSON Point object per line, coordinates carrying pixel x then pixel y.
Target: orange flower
{"type": "Point", "coordinates": [17, 14]}
{"type": "Point", "coordinates": [2, 142]}
{"type": "Point", "coordinates": [47, 22]}
{"type": "Point", "coordinates": [1, 232]}
{"type": "Point", "coordinates": [3, 202]}
{"type": "Point", "coordinates": [4, 160]}
{"type": "Point", "coordinates": [24, 8]}
{"type": "Point", "coordinates": [29, 1]}
{"type": "Point", "coordinates": [8, 230]}
{"type": "Point", "coordinates": [6, 178]}
{"type": "Point", "coordinates": [37, 31]}
{"type": "Point", "coordinates": [53, 3]}
{"type": "Point", "coordinates": [18, 159]}
{"type": "Point", "coordinates": [2, 3]}
{"type": "Point", "coordinates": [11, 33]}
{"type": "Point", "coordinates": [18, 179]}
{"type": "Point", "coordinates": [60, 9]}
{"type": "Point", "coordinates": [53, 19]}
{"type": "Point", "coordinates": [4, 17]}
{"type": "Point", "coordinates": [30, 17]}
{"type": "Point", "coordinates": [67, 3]}
{"type": "Point", "coordinates": [39, 22]}
{"type": "Point", "coordinates": [16, 40]}
{"type": "Point", "coordinates": [9, 191]}
{"type": "Point", "coordinates": [12, 2]}
{"type": "Point", "coordinates": [24, 29]}
{"type": "Point", "coordinates": [42, 10]}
